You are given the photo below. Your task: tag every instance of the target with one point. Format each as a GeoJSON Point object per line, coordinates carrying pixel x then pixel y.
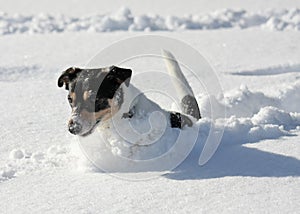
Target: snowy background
{"type": "Point", "coordinates": [253, 46]}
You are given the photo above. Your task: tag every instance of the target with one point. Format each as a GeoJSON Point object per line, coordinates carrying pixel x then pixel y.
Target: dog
{"type": "Point", "coordinates": [104, 97]}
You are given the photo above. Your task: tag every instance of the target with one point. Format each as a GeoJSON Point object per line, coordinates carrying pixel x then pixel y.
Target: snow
{"type": "Point", "coordinates": [257, 166]}
{"type": "Point", "coordinates": [16, 154]}
{"type": "Point", "coordinates": [123, 19]}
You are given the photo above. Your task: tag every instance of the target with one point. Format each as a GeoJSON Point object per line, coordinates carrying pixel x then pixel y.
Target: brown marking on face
{"type": "Point", "coordinates": [91, 116]}
{"type": "Point", "coordinates": [73, 96]}
{"type": "Point", "coordinates": [71, 70]}
{"type": "Point", "coordinates": [104, 114]}
{"type": "Point", "coordinates": [86, 95]}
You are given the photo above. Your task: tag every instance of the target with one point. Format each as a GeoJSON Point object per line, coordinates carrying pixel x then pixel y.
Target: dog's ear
{"type": "Point", "coordinates": [67, 76]}
{"type": "Point", "coordinates": [121, 74]}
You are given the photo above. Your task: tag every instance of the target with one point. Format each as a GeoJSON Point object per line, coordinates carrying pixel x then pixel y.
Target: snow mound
{"type": "Point", "coordinates": [16, 154]}
{"type": "Point", "coordinates": [243, 102]}
{"type": "Point", "coordinates": [256, 128]}
{"type": "Point", "coordinates": [123, 19]}
{"type": "Point", "coordinates": [253, 116]}
{"type": "Point", "coordinates": [275, 116]}
{"type": "Point", "coordinates": [21, 162]}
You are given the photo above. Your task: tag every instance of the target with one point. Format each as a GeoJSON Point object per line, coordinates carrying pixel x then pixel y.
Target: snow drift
{"type": "Point", "coordinates": [124, 20]}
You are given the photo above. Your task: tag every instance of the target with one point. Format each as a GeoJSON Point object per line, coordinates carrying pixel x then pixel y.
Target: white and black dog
{"type": "Point", "coordinates": [102, 97]}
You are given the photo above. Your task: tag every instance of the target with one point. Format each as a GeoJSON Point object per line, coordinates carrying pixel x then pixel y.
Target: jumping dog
{"type": "Point", "coordinates": [98, 96]}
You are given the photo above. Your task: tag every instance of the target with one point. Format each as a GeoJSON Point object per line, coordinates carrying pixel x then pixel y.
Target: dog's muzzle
{"type": "Point", "coordinates": [74, 127]}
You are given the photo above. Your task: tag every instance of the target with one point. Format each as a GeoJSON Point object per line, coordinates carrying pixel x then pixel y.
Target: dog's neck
{"type": "Point", "coordinates": [134, 102]}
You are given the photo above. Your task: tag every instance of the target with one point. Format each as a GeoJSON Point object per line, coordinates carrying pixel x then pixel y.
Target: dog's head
{"type": "Point", "coordinates": [94, 95]}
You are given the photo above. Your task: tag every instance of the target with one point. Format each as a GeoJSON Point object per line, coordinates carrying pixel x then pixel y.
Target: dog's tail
{"type": "Point", "coordinates": [188, 103]}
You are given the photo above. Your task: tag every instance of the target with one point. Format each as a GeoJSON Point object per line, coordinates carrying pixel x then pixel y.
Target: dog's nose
{"type": "Point", "coordinates": [74, 127]}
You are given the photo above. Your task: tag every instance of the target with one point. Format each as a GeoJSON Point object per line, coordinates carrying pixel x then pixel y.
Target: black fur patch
{"type": "Point", "coordinates": [189, 106]}
{"type": "Point", "coordinates": [175, 119]}
{"type": "Point", "coordinates": [179, 120]}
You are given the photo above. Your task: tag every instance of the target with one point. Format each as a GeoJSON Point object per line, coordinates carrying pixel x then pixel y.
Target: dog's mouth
{"type": "Point", "coordinates": [91, 130]}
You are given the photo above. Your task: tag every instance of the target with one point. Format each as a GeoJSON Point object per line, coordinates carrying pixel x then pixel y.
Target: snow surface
{"type": "Point", "coordinates": [123, 19]}
{"type": "Point", "coordinates": [255, 169]}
